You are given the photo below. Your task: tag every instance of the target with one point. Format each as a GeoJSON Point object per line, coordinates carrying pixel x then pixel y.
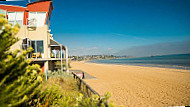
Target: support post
{"type": "Point", "coordinates": [66, 57]}
{"type": "Point", "coordinates": [61, 58]}
{"type": "Point", "coordinates": [46, 74]}
{"type": "Point", "coordinates": [46, 65]}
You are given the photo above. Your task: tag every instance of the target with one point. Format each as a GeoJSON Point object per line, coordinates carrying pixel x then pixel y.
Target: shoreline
{"type": "Point", "coordinates": [145, 65]}
{"type": "Point", "coordinates": [138, 85]}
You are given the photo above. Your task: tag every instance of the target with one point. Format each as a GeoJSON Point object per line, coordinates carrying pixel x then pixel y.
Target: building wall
{"type": "Point", "coordinates": [45, 6]}
{"type": "Point", "coordinates": [40, 33]}
{"type": "Point", "coordinates": [11, 8]}
{"type": "Point", "coordinates": [38, 6]}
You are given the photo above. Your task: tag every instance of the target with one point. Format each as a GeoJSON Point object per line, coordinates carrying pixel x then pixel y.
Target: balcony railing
{"type": "Point", "coordinates": [56, 55]}
{"type": "Point", "coordinates": [37, 55]}
{"type": "Point", "coordinates": [32, 22]}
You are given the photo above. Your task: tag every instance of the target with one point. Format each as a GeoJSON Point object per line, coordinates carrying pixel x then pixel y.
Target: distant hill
{"type": "Point", "coordinates": [158, 49]}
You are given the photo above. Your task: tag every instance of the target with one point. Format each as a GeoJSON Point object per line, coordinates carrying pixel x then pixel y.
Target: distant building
{"type": "Point", "coordinates": [34, 20]}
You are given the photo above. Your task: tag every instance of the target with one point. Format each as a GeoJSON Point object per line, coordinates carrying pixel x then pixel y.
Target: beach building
{"type": "Point", "coordinates": [34, 20]}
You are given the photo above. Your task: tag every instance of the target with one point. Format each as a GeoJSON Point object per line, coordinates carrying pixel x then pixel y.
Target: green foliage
{"type": "Point", "coordinates": [58, 65]}
{"type": "Point", "coordinates": [63, 92]}
{"type": "Point", "coordinates": [58, 73]}
{"type": "Point", "coordinates": [18, 79]}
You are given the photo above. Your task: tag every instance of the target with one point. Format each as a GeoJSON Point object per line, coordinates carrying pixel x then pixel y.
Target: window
{"type": "Point", "coordinates": [38, 47]}
{"type": "Point", "coordinates": [15, 17]}
{"type": "Point", "coordinates": [26, 43]}
{"type": "Point", "coordinates": [34, 46]}
{"type": "Point", "coordinates": [3, 12]}
{"type": "Point", "coordinates": [39, 17]}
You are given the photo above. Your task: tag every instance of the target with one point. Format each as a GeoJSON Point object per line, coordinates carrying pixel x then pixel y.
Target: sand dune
{"type": "Point", "coordinates": [139, 86]}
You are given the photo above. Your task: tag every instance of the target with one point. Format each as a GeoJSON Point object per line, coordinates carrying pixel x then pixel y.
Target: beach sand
{"type": "Point", "coordinates": [139, 86]}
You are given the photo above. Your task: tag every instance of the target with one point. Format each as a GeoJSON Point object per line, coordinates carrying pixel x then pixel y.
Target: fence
{"type": "Point", "coordinates": [86, 89]}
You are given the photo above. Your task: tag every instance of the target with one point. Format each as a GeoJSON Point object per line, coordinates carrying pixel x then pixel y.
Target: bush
{"type": "Point", "coordinates": [63, 92]}
{"type": "Point", "coordinates": [18, 79]}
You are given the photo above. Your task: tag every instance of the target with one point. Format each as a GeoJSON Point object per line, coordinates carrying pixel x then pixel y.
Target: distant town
{"type": "Point", "coordinates": [96, 57]}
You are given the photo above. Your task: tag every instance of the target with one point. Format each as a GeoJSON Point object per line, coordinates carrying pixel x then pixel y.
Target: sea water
{"type": "Point", "coordinates": [179, 61]}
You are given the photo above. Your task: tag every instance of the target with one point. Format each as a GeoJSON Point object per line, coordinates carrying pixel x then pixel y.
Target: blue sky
{"type": "Point", "coordinates": [116, 26]}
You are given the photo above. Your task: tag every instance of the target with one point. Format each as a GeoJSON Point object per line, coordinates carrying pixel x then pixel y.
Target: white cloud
{"type": "Point", "coordinates": [129, 36]}
{"type": "Point", "coordinates": [91, 51]}
{"type": "Point", "coordinates": [110, 49]}
{"type": "Point", "coordinates": [95, 48]}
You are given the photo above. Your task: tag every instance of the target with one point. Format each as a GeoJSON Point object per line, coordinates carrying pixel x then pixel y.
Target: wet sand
{"type": "Point", "coordinates": [137, 85]}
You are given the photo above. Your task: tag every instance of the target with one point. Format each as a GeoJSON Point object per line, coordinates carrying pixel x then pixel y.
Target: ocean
{"type": "Point", "coordinates": [178, 61]}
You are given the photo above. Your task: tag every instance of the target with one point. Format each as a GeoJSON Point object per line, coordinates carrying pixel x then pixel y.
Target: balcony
{"type": "Point", "coordinates": [32, 23]}
{"type": "Point", "coordinates": [57, 50]}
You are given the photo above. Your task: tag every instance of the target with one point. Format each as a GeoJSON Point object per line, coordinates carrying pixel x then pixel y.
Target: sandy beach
{"type": "Point", "coordinates": [139, 86]}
